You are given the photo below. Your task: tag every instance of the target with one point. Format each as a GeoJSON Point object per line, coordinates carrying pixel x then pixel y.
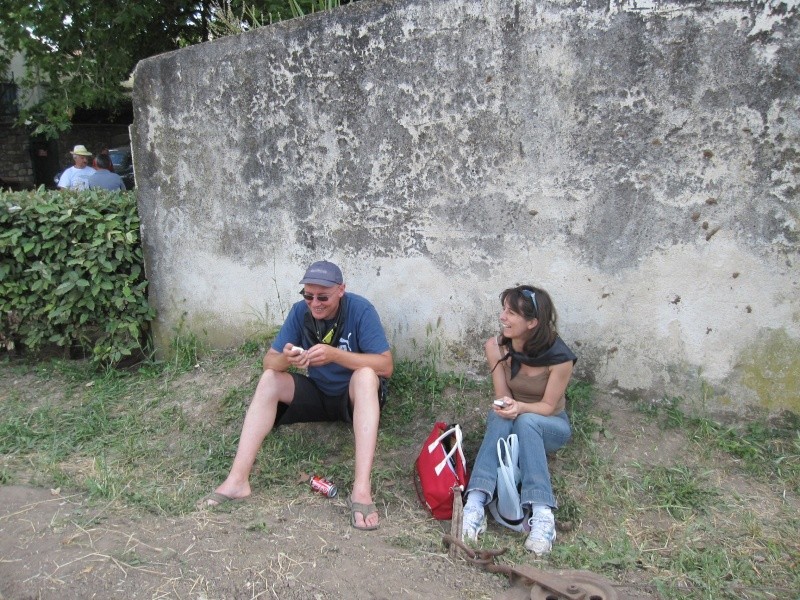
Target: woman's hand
{"type": "Point", "coordinates": [509, 410]}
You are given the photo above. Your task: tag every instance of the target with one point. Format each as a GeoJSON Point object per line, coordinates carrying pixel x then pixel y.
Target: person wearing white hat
{"type": "Point", "coordinates": [77, 177]}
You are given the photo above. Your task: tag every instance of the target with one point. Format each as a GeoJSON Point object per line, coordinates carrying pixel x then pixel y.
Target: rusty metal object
{"type": "Point", "coordinates": [570, 585]}
{"type": "Point", "coordinates": [536, 584]}
{"type": "Point", "coordinates": [483, 558]}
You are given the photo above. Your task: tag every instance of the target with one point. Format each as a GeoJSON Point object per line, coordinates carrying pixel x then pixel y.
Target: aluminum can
{"type": "Point", "coordinates": [323, 486]}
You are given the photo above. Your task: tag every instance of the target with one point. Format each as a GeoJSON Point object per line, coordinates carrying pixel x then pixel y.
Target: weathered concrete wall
{"type": "Point", "coordinates": [641, 165]}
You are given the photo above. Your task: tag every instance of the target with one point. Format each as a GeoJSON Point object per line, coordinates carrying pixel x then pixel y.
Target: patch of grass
{"type": "Point", "coordinates": [582, 412]}
{"type": "Point", "coordinates": [720, 570]}
{"type": "Point", "coordinates": [610, 556]}
{"type": "Point", "coordinates": [154, 441]}
{"type": "Point", "coordinates": [762, 447]}
{"type": "Point", "coordinates": [105, 481]}
{"type": "Point", "coordinates": [130, 558]}
{"type": "Point", "coordinates": [234, 405]}
{"type": "Point", "coordinates": [410, 391]}
{"type": "Point", "coordinates": [289, 451]}
{"type": "Point", "coordinates": [692, 539]}
{"type": "Point", "coordinates": [259, 527]}
{"type": "Point", "coordinates": [676, 489]}
{"type": "Point", "coordinates": [569, 509]}
{"type": "Point", "coordinates": [417, 391]}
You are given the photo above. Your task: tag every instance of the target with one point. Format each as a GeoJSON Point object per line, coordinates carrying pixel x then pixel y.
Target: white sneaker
{"type": "Point", "coordinates": [543, 532]}
{"type": "Point", "coordinates": [473, 523]}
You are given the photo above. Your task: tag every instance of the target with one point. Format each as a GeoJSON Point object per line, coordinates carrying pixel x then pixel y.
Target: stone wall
{"type": "Point", "coordinates": [639, 161]}
{"type": "Point", "coordinates": [17, 169]}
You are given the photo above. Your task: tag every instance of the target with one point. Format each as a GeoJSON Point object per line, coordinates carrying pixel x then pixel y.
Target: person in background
{"type": "Point", "coordinates": [531, 367]}
{"type": "Point", "coordinates": [337, 337]}
{"type": "Point", "coordinates": [103, 177]}
{"type": "Point", "coordinates": [104, 152]}
{"type": "Point", "coordinates": [77, 176]}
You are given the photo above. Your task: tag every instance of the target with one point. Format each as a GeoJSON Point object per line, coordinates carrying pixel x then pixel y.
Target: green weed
{"type": "Point", "coordinates": [233, 405]}
{"type": "Point", "coordinates": [675, 489]}
{"type": "Point", "coordinates": [185, 348]}
{"type": "Point", "coordinates": [613, 554]}
{"type": "Point", "coordinates": [761, 446]}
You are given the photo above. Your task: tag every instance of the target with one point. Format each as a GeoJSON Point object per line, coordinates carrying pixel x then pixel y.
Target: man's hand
{"type": "Point", "coordinates": [321, 354]}
{"type": "Point", "coordinates": [296, 356]}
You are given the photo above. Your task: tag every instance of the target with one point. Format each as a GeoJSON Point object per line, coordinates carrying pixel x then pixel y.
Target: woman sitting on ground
{"type": "Point", "coordinates": [531, 367]}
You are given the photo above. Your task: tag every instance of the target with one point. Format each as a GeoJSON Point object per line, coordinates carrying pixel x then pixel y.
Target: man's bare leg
{"type": "Point", "coordinates": [366, 417]}
{"type": "Point", "coordinates": [273, 387]}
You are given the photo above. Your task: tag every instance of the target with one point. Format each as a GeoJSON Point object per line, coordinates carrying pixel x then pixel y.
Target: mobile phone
{"type": "Point", "coordinates": [499, 402]}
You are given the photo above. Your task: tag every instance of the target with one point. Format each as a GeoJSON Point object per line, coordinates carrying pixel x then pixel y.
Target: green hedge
{"type": "Point", "coordinates": [71, 273]}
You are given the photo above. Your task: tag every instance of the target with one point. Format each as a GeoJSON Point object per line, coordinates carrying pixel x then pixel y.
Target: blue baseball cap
{"type": "Point", "coordinates": [323, 273]}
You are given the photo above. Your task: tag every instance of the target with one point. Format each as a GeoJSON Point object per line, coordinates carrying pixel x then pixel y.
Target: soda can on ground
{"type": "Point", "coordinates": [323, 486]}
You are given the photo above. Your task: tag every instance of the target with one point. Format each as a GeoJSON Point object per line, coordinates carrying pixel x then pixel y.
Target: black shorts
{"type": "Point", "coordinates": [310, 404]}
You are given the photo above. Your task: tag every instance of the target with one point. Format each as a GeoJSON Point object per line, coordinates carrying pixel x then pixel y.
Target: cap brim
{"type": "Point", "coordinates": [322, 282]}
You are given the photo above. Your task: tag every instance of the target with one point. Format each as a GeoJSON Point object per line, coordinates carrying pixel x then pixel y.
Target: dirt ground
{"type": "Point", "coordinates": [258, 549]}
{"type": "Point", "coordinates": [56, 545]}
{"type": "Point", "coordinates": [288, 543]}
{"type": "Point", "coordinates": [305, 550]}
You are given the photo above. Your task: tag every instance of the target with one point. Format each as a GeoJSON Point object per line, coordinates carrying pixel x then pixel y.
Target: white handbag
{"type": "Point", "coordinates": [506, 506]}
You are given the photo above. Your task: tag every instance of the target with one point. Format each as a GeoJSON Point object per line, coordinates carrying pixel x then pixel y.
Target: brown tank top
{"type": "Point", "coordinates": [527, 388]}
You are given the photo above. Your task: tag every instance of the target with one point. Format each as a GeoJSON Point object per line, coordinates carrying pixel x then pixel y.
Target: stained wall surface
{"type": "Point", "coordinates": [639, 161]}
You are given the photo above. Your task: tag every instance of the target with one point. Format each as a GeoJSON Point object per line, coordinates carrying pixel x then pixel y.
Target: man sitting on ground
{"type": "Point", "coordinates": [338, 337]}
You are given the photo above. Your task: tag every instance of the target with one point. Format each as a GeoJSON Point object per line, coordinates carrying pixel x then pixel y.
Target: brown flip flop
{"type": "Point", "coordinates": [365, 510]}
{"type": "Point", "coordinates": [217, 498]}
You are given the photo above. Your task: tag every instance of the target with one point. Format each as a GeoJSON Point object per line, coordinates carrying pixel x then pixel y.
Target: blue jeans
{"type": "Point", "coordinates": [537, 435]}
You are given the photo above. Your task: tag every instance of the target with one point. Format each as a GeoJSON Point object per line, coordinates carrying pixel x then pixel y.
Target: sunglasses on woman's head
{"type": "Point", "coordinates": [532, 297]}
{"type": "Point", "coordinates": [310, 297]}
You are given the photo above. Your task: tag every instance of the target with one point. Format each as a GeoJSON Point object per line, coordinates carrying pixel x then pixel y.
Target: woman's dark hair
{"type": "Point", "coordinates": [532, 303]}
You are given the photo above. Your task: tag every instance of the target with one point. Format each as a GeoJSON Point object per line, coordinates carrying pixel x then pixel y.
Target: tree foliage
{"type": "Point", "coordinates": [78, 53]}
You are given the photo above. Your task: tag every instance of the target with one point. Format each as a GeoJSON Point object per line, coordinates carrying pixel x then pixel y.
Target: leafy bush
{"type": "Point", "coordinates": [71, 272]}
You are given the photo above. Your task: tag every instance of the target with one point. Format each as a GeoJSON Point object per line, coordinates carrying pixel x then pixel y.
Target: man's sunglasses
{"type": "Point", "coordinates": [532, 297]}
{"type": "Point", "coordinates": [310, 297]}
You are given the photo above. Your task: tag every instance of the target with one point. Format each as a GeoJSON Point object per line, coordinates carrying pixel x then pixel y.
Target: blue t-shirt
{"type": "Point", "coordinates": [362, 332]}
{"type": "Point", "coordinates": [106, 180]}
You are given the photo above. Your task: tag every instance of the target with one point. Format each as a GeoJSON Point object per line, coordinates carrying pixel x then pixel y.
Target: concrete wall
{"type": "Point", "coordinates": [639, 162]}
